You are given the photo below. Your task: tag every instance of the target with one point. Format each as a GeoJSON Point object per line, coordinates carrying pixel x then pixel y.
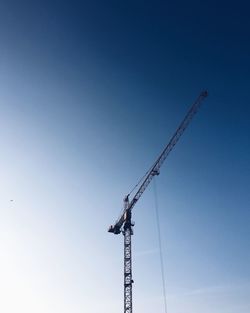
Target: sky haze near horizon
{"type": "Point", "coordinates": [90, 93]}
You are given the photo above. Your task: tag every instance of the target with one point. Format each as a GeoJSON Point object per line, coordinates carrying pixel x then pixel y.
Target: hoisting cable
{"type": "Point", "coordinates": [140, 180]}
{"type": "Point", "coordinates": [160, 246]}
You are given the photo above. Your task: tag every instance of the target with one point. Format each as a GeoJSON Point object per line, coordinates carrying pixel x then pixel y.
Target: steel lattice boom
{"type": "Point", "coordinates": [124, 224]}
{"type": "Point", "coordinates": [116, 229]}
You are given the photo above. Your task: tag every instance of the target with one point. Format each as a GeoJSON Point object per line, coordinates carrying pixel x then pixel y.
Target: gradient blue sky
{"type": "Point", "coordinates": [90, 92]}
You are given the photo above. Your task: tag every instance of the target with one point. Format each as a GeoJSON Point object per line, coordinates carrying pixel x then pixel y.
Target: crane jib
{"type": "Point", "coordinates": [116, 228]}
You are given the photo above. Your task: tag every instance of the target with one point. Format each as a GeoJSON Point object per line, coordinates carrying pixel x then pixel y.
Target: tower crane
{"type": "Point", "coordinates": [124, 223]}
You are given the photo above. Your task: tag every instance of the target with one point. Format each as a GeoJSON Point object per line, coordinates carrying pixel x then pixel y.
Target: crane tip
{"type": "Point", "coordinates": [204, 93]}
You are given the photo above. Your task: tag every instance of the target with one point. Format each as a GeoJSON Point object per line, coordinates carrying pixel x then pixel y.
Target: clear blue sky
{"type": "Point", "coordinates": [90, 92]}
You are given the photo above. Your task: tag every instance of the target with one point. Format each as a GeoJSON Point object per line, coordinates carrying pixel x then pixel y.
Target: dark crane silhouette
{"type": "Point", "coordinates": [124, 223]}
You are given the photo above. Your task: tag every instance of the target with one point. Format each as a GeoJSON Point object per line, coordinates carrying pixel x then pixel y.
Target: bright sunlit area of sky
{"type": "Point", "coordinates": [90, 93]}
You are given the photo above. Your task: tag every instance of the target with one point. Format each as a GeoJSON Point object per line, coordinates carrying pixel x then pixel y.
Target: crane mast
{"type": "Point", "coordinates": [124, 223]}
